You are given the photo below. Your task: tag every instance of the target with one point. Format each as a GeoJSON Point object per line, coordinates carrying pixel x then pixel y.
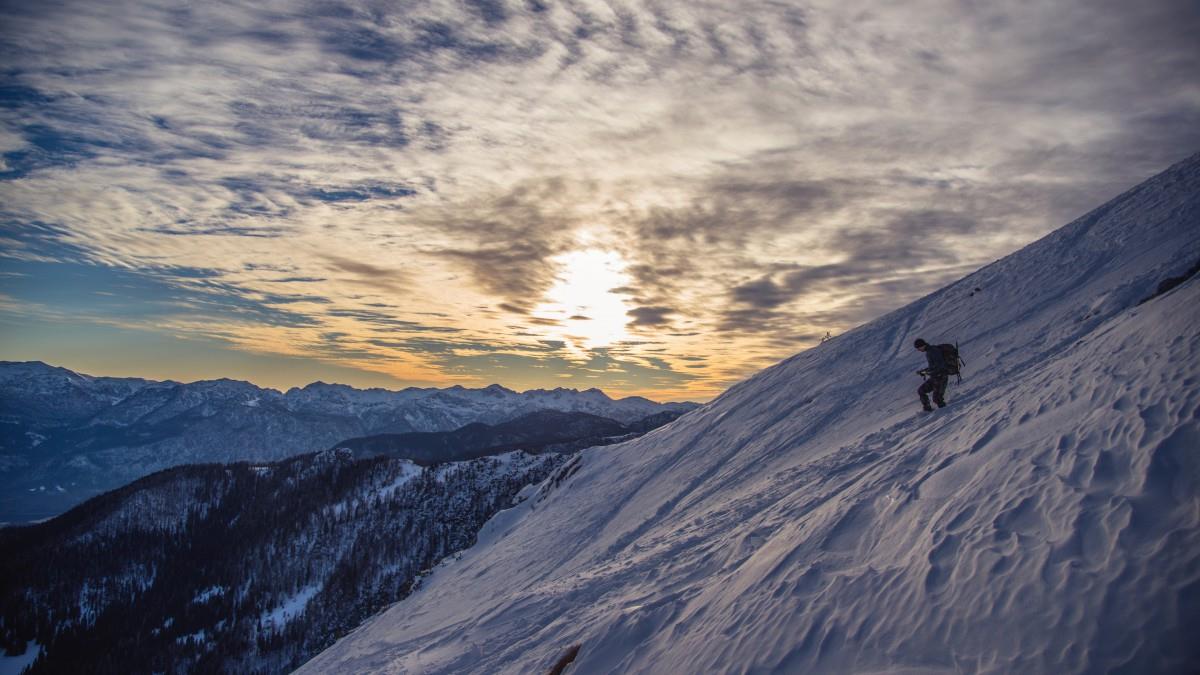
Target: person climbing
{"type": "Point", "coordinates": [937, 375]}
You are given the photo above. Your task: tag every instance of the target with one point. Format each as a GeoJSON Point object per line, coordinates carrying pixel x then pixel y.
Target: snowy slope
{"type": "Point", "coordinates": [810, 521]}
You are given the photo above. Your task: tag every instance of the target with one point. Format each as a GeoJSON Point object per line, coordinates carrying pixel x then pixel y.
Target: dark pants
{"type": "Point", "coordinates": [936, 385]}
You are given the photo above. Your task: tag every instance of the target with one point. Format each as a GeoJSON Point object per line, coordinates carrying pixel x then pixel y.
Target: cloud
{"type": "Point", "coordinates": [526, 370]}
{"type": "Point", "coordinates": [761, 293]}
{"type": "Point", "coordinates": [650, 316]}
{"type": "Point", "coordinates": [387, 321]}
{"type": "Point", "coordinates": [135, 297]}
{"type": "Point", "coordinates": [507, 240]}
{"type": "Point", "coordinates": [766, 170]}
{"type": "Point", "coordinates": [366, 274]}
{"type": "Point", "coordinates": [909, 253]}
{"type": "Point", "coordinates": [266, 232]}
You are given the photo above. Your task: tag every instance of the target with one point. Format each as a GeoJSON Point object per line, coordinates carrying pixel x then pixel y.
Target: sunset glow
{"type": "Point", "coordinates": [651, 198]}
{"type": "Point", "coordinates": [583, 303]}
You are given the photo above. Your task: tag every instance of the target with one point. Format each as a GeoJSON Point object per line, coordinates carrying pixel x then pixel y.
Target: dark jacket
{"type": "Point", "coordinates": [937, 361]}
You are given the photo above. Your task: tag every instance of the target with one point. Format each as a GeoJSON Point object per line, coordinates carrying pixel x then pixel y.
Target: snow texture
{"type": "Point", "coordinates": [290, 608]}
{"type": "Point", "coordinates": [810, 520]}
{"type": "Point", "coordinates": [208, 593]}
{"type": "Point", "coordinates": [14, 665]}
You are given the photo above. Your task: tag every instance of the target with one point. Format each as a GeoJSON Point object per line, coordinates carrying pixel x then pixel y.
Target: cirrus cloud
{"type": "Point", "coordinates": [354, 176]}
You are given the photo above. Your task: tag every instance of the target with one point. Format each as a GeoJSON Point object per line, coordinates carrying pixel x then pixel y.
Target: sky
{"type": "Point", "coordinates": [649, 197]}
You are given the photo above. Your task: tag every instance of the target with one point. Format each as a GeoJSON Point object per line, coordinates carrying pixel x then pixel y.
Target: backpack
{"type": "Point", "coordinates": [954, 362]}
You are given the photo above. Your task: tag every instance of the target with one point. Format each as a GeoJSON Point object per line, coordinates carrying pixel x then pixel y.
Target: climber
{"type": "Point", "coordinates": [937, 375]}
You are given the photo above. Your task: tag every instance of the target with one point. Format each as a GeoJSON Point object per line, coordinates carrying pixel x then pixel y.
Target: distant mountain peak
{"type": "Point", "coordinates": [112, 430]}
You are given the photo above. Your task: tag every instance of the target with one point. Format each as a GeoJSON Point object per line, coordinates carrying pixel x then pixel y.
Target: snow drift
{"type": "Point", "coordinates": [809, 520]}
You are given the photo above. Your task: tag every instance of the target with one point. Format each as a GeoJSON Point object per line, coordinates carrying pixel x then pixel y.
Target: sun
{"type": "Point", "coordinates": [587, 313]}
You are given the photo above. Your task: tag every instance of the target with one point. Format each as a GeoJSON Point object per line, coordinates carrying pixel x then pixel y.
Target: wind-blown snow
{"type": "Point", "coordinates": [809, 520]}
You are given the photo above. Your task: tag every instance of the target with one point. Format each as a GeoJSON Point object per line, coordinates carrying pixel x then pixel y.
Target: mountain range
{"type": "Point", "coordinates": [545, 430]}
{"type": "Point", "coordinates": [65, 436]}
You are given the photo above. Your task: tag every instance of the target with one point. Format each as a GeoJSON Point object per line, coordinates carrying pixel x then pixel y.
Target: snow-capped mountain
{"type": "Point", "coordinates": [812, 520]}
{"type": "Point", "coordinates": [65, 437]}
{"type": "Point", "coordinates": [413, 409]}
{"type": "Point", "coordinates": [45, 394]}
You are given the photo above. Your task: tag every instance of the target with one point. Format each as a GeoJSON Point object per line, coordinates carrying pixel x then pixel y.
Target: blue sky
{"type": "Point", "coordinates": [649, 197]}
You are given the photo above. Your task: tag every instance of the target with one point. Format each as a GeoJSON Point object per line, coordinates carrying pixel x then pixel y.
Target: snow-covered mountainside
{"type": "Point", "coordinates": [65, 437]}
{"type": "Point", "coordinates": [811, 520]}
{"type": "Point", "coordinates": [239, 568]}
{"type": "Point", "coordinates": [255, 567]}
